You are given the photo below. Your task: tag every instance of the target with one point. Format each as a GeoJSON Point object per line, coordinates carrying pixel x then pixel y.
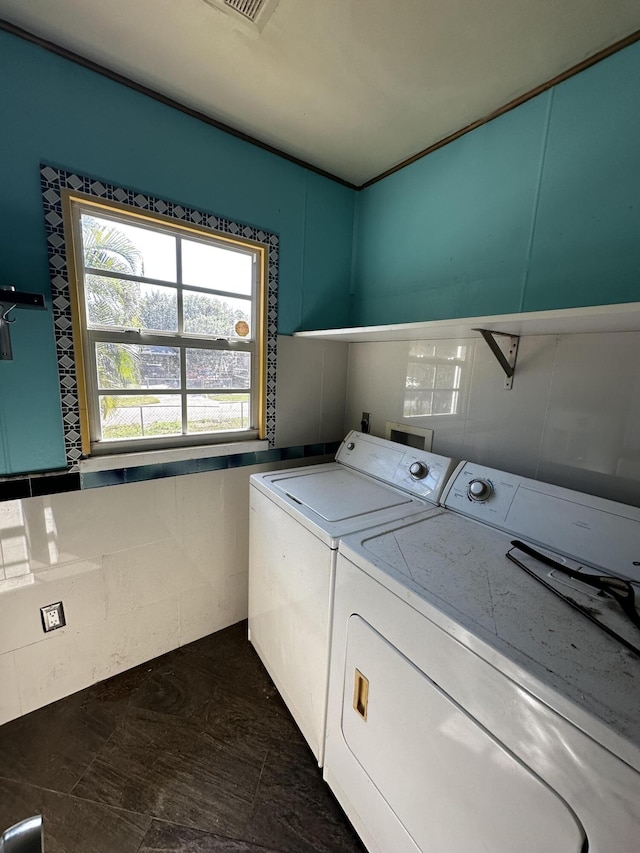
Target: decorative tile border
{"type": "Point", "coordinates": [53, 181]}
{"type": "Point", "coordinates": [53, 483]}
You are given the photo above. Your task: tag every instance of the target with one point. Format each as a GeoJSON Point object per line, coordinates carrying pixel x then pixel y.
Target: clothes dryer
{"type": "Point", "coordinates": [474, 703]}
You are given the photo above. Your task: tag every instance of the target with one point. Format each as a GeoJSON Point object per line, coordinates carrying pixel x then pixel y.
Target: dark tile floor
{"type": "Point", "coordinates": [194, 751]}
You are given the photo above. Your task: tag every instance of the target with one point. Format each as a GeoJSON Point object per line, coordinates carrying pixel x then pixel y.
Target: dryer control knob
{"type": "Point", "coordinates": [418, 470]}
{"type": "Point", "coordinates": [479, 490]}
{"type": "Point", "coordinates": [350, 445]}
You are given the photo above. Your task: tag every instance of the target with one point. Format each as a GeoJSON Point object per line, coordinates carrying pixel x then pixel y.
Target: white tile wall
{"type": "Point", "coordinates": [311, 387]}
{"type": "Point", "coordinates": [572, 417]}
{"type": "Point", "coordinates": [9, 698]}
{"type": "Point", "coordinates": [140, 569]}
{"type": "Point", "coordinates": [503, 428]}
{"type": "Point", "coordinates": [377, 384]}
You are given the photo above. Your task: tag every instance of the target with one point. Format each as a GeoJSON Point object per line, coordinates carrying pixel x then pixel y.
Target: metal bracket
{"type": "Point", "coordinates": [507, 362]}
{"type": "Point", "coordinates": [10, 298]}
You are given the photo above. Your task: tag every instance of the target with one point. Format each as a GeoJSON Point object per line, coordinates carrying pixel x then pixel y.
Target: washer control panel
{"type": "Point", "coordinates": [419, 472]}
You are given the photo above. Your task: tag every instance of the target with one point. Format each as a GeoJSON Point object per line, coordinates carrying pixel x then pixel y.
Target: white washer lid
{"type": "Point", "coordinates": [338, 495]}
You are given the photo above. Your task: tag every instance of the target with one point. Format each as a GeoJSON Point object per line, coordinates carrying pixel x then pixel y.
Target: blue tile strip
{"type": "Point", "coordinates": [53, 181]}
{"type": "Point", "coordinates": [16, 488]}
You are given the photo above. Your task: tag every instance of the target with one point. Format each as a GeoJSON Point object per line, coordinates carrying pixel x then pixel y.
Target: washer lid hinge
{"type": "Point", "coordinates": [506, 360]}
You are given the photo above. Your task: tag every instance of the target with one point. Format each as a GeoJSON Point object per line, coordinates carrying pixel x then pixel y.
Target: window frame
{"type": "Point", "coordinates": [54, 181]}
{"type": "Point", "coordinates": [73, 204]}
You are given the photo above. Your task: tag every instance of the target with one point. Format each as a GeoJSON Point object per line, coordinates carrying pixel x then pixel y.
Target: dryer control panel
{"type": "Point", "coordinates": [418, 472]}
{"type": "Point", "coordinates": [589, 529]}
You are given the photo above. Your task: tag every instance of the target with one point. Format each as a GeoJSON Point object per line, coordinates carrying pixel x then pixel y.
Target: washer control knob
{"type": "Point", "coordinates": [418, 470]}
{"type": "Point", "coordinates": [350, 445]}
{"type": "Point", "coordinates": [479, 490]}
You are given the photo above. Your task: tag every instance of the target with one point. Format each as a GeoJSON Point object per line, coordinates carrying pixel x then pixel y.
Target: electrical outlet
{"type": "Point", "coordinates": [52, 616]}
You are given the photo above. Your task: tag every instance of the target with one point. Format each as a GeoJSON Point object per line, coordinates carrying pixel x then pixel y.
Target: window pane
{"type": "Point", "coordinates": [216, 268]}
{"type": "Point", "coordinates": [135, 366]}
{"type": "Point", "coordinates": [216, 316]}
{"type": "Point", "coordinates": [112, 245]}
{"type": "Point", "coordinates": [215, 369]}
{"type": "Point", "coordinates": [112, 302]}
{"type": "Point", "coordinates": [139, 417]}
{"type": "Point", "coordinates": [218, 412]}
{"type": "Point", "coordinates": [159, 308]}
{"type": "Point", "coordinates": [130, 304]}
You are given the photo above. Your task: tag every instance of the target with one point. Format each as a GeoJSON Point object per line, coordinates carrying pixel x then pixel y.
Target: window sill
{"type": "Point", "coordinates": [153, 465]}
{"type": "Point", "coordinates": [161, 457]}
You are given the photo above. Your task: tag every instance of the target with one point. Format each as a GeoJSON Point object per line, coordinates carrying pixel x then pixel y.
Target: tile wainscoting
{"type": "Point", "coordinates": [141, 568]}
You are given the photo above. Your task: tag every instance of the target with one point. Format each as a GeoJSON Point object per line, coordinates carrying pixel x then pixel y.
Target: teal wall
{"type": "Point", "coordinates": [537, 209]}
{"type": "Point", "coordinates": [53, 111]}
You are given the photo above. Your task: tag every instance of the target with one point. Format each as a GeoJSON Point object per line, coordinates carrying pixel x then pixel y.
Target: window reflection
{"type": "Point", "coordinates": [28, 541]}
{"type": "Point", "coordinates": [15, 567]}
{"type": "Point", "coordinates": [434, 378]}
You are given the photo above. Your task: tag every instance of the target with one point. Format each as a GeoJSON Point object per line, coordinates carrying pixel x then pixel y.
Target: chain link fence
{"type": "Point", "coordinates": [166, 419]}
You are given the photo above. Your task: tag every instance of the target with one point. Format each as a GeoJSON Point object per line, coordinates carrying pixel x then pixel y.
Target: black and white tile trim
{"type": "Point", "coordinates": [55, 180]}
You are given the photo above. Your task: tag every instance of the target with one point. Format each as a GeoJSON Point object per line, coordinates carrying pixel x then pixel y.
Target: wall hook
{"type": "Point", "coordinates": [5, 316]}
{"type": "Point", "coordinates": [10, 298]}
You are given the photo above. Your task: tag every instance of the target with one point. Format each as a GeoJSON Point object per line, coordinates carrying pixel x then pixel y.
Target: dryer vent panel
{"type": "Point", "coordinates": [410, 436]}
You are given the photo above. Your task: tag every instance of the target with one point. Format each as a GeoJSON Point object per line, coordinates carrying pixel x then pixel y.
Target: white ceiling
{"type": "Point", "coordinates": [353, 87]}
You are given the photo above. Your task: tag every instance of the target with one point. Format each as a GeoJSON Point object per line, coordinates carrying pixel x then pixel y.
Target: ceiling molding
{"type": "Point", "coordinates": [52, 47]}
{"type": "Point", "coordinates": [200, 116]}
{"type": "Point", "coordinates": [516, 102]}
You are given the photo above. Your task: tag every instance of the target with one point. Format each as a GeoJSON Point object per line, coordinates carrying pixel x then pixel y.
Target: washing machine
{"type": "Point", "coordinates": [485, 674]}
{"type": "Point", "coordinates": [297, 517]}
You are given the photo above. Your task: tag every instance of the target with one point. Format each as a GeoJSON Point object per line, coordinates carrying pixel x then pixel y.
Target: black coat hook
{"type": "Point", "coordinates": [10, 298]}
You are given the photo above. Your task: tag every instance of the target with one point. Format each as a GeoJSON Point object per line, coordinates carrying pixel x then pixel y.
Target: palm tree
{"type": "Point", "coordinates": [107, 248]}
{"type": "Point", "coordinates": [112, 301]}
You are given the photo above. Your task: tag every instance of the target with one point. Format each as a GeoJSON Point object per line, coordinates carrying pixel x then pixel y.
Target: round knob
{"type": "Point", "coordinates": [418, 470]}
{"type": "Point", "coordinates": [479, 490]}
{"type": "Point", "coordinates": [350, 445]}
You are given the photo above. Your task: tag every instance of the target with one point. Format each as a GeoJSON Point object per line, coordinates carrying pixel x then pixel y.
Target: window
{"type": "Point", "coordinates": [169, 330]}
{"type": "Point", "coordinates": [435, 379]}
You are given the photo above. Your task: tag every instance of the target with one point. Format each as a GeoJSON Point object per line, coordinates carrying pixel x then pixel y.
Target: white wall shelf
{"type": "Point", "coordinates": [624, 317]}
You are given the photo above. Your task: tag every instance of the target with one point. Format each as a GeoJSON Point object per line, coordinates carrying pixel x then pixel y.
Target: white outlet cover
{"type": "Point", "coordinates": [52, 616]}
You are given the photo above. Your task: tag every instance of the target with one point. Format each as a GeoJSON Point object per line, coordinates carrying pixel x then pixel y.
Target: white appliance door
{"type": "Point", "coordinates": [451, 784]}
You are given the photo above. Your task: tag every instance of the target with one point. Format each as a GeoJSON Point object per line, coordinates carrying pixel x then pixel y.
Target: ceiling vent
{"type": "Point", "coordinates": [250, 15]}
{"type": "Point", "coordinates": [249, 8]}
